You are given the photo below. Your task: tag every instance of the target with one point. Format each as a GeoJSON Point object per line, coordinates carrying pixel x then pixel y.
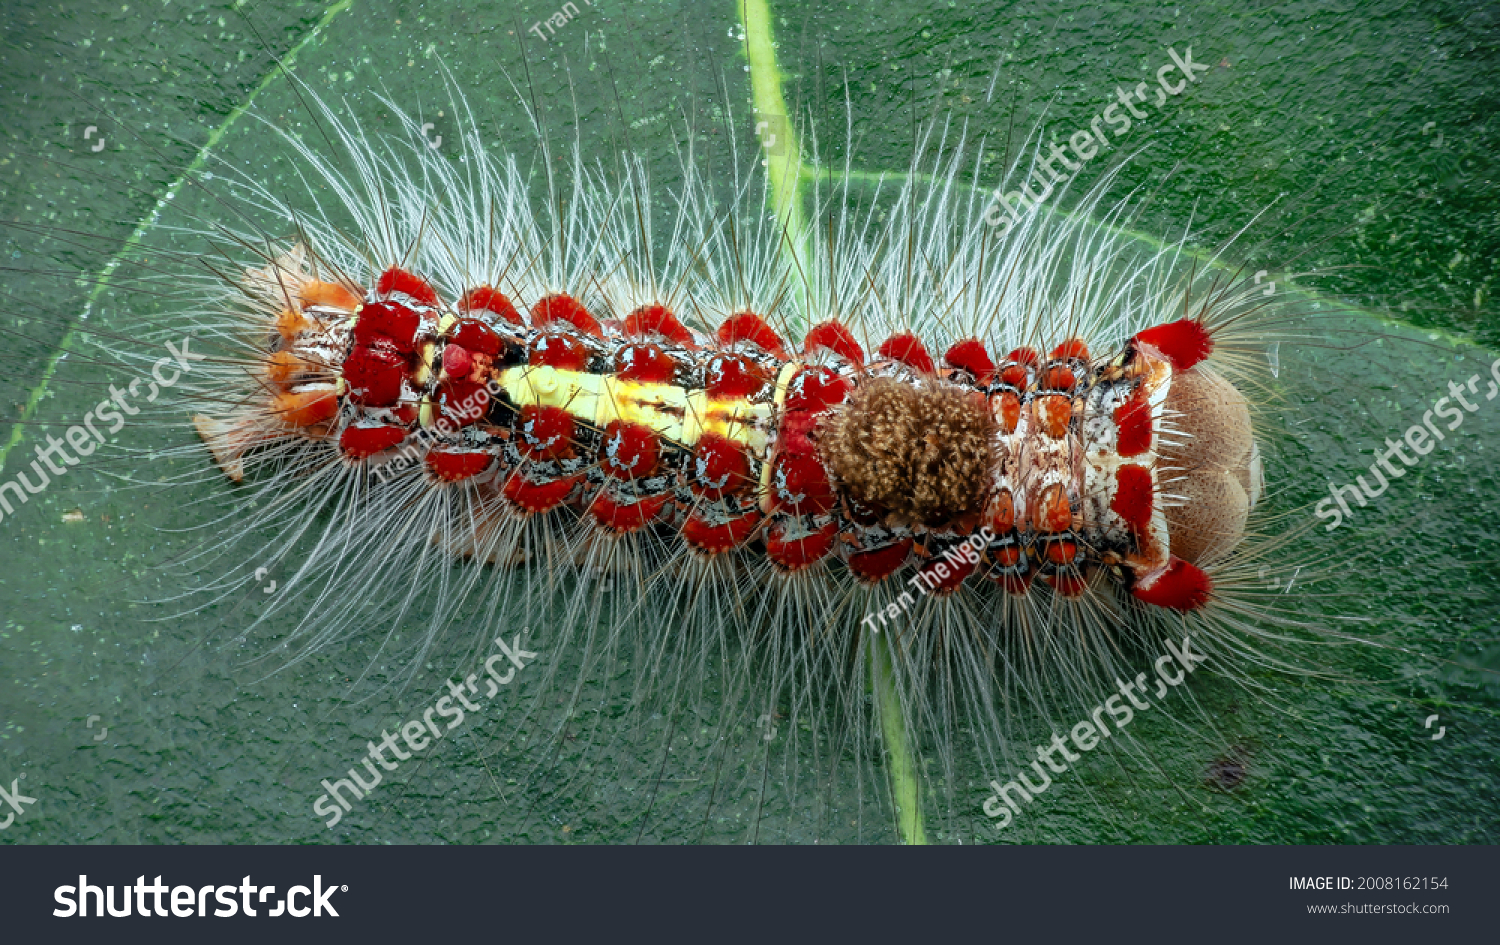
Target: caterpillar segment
{"type": "Point", "coordinates": [1065, 469]}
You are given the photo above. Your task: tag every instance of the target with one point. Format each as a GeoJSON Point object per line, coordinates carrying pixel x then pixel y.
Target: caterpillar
{"type": "Point", "coordinates": [568, 400]}
{"type": "Point", "coordinates": [638, 423]}
{"type": "Point", "coordinates": [804, 509]}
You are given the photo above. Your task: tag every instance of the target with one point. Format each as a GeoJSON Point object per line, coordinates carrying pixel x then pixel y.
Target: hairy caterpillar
{"type": "Point", "coordinates": [772, 652]}
{"type": "Point", "coordinates": [572, 400]}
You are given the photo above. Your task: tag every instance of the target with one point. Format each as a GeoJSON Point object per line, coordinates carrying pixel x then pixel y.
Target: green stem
{"type": "Point", "coordinates": [905, 786]}
{"type": "Point", "coordinates": [784, 163]}
{"type": "Point", "coordinates": [786, 172]}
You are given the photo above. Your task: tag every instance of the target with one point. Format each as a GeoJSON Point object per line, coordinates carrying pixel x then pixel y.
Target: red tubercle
{"type": "Point", "coordinates": [1067, 583]}
{"type": "Point", "coordinates": [815, 389]}
{"type": "Point", "coordinates": [793, 436]}
{"type": "Point", "coordinates": [748, 326]}
{"type": "Point", "coordinates": [374, 374]}
{"type": "Point", "coordinates": [1026, 355]}
{"type": "Point", "coordinates": [559, 306]}
{"type": "Point", "coordinates": [1002, 512]}
{"type": "Point", "coordinates": [538, 497]}
{"type": "Point", "coordinates": [1072, 348]}
{"type": "Point", "coordinates": [970, 355]}
{"type": "Point", "coordinates": [720, 467]}
{"type": "Point", "coordinates": [545, 433]}
{"type": "Point", "coordinates": [1183, 343]}
{"type": "Point", "coordinates": [811, 392]}
{"type": "Point", "coordinates": [1054, 512]}
{"type": "Point", "coordinates": [944, 575]}
{"type": "Point", "coordinates": [464, 401]}
{"type": "Point", "coordinates": [1006, 556]}
{"type": "Point", "coordinates": [1134, 497]}
{"type": "Point", "coordinates": [644, 364]}
{"type": "Point", "coordinates": [1016, 584]}
{"type": "Point", "coordinates": [658, 320]}
{"type": "Point", "coordinates": [362, 442]}
{"type": "Point", "coordinates": [872, 567]}
{"type": "Point", "coordinates": [909, 350]}
{"type": "Point", "coordinates": [732, 376]}
{"type": "Point", "coordinates": [475, 336]}
{"type": "Point", "coordinates": [717, 539]}
{"type": "Point", "coordinates": [1176, 585]}
{"type": "Point", "coordinates": [836, 337]}
{"type": "Point", "coordinates": [396, 279]}
{"type": "Point", "coordinates": [624, 518]}
{"type": "Point", "coordinates": [1057, 377]}
{"type": "Point", "coordinates": [1016, 376]}
{"type": "Point", "coordinates": [457, 465]}
{"type": "Point", "coordinates": [630, 451]}
{"type": "Point", "coordinates": [487, 299]}
{"type": "Point", "coordinates": [799, 484]}
{"type": "Point", "coordinates": [1133, 424]}
{"type": "Point", "coordinates": [1008, 411]}
{"type": "Point", "coordinates": [1054, 412]}
{"type": "Point", "coordinates": [390, 321]}
{"type": "Point", "coordinates": [798, 554]}
{"type": "Point", "coordinates": [560, 351]}
{"type": "Point", "coordinates": [1061, 552]}
{"type": "Point", "coordinates": [457, 361]}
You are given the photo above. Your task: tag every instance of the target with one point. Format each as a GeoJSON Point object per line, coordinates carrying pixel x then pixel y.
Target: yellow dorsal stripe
{"type": "Point", "coordinates": [672, 412]}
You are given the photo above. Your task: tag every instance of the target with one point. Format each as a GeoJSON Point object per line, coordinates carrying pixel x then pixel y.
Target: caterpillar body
{"type": "Point", "coordinates": [890, 476]}
{"type": "Point", "coordinates": [1056, 464]}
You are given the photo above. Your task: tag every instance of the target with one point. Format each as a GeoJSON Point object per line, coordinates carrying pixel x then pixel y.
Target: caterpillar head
{"type": "Point", "coordinates": [1210, 465]}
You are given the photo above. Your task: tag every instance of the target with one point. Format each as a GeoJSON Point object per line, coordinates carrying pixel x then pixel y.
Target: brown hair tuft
{"type": "Point", "coordinates": [924, 454]}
